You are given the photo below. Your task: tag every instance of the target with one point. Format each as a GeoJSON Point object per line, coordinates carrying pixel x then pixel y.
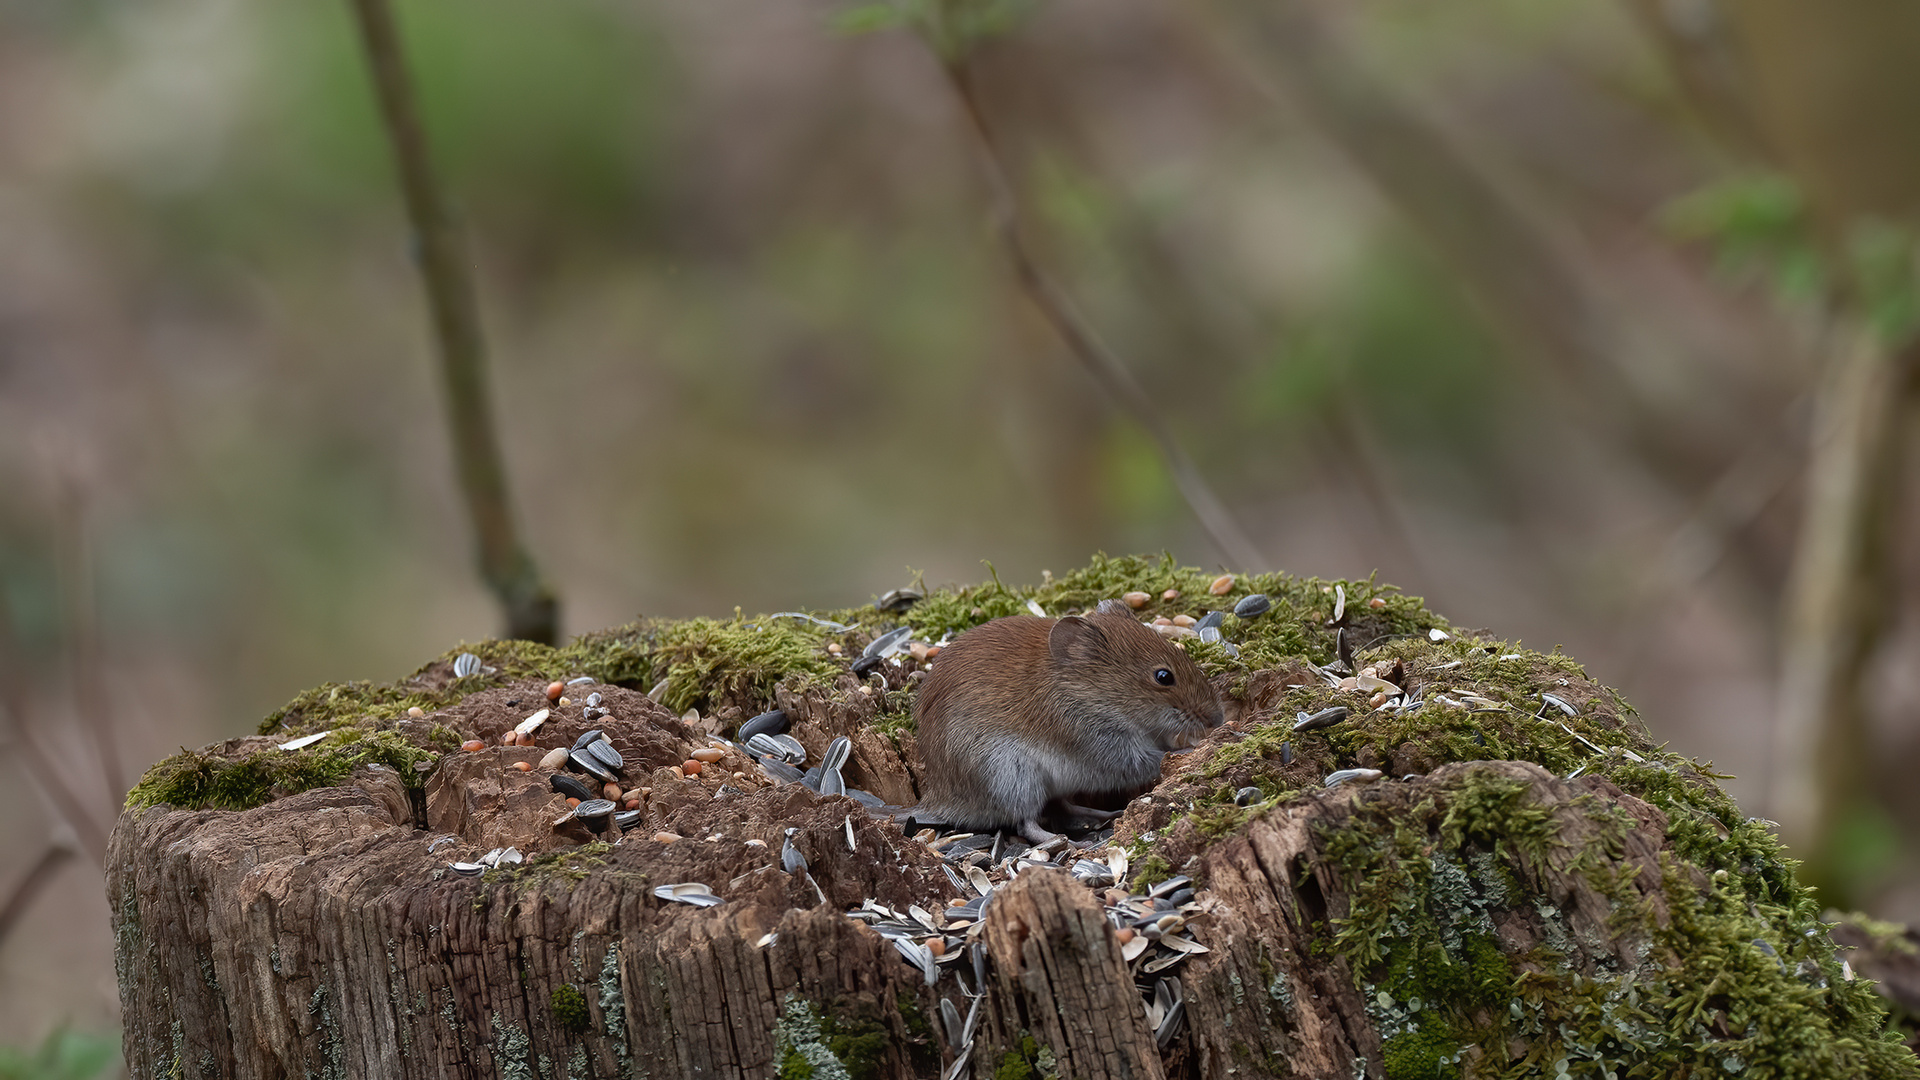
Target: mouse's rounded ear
{"type": "Point", "coordinates": [1074, 638]}
{"type": "Point", "coordinates": [1114, 607]}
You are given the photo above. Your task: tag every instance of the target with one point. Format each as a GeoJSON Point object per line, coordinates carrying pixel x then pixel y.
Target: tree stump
{"type": "Point", "coordinates": [1530, 887]}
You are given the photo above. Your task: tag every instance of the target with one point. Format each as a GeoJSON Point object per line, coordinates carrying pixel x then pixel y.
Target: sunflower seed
{"type": "Point", "coordinates": [1560, 704]}
{"type": "Point", "coordinates": [1321, 719]}
{"type": "Point", "coordinates": [594, 699]}
{"type": "Point", "coordinates": [767, 939]}
{"type": "Point", "coordinates": [305, 741]}
{"type": "Point", "coordinates": [1163, 961]}
{"type": "Point", "coordinates": [1034, 606]}
{"type": "Point", "coordinates": [838, 628]}
{"type": "Point", "coordinates": [607, 755]}
{"type": "Point", "coordinates": [790, 749]}
{"type": "Point", "coordinates": [792, 860]}
{"type": "Point", "coordinates": [979, 880]}
{"type": "Point", "coordinates": [466, 869]}
{"type": "Point", "coordinates": [595, 813]}
{"type": "Point", "coordinates": [1173, 1009]}
{"type": "Point", "coordinates": [571, 788]}
{"type": "Point", "coordinates": [1131, 950]}
{"type": "Point", "coordinates": [959, 1065]}
{"type": "Point", "coordinates": [1342, 648]}
{"type": "Point", "coordinates": [1170, 886]}
{"type": "Point", "coordinates": [920, 956]}
{"type": "Point", "coordinates": [898, 600]}
{"type": "Point", "coordinates": [659, 690]}
{"type": "Point", "coordinates": [851, 846]}
{"type": "Point", "coordinates": [1209, 635]}
{"type": "Point", "coordinates": [532, 723]}
{"type": "Point", "coordinates": [588, 737]}
{"type": "Point", "coordinates": [1286, 753]}
{"type": "Point", "coordinates": [950, 1019]}
{"type": "Point", "coordinates": [587, 763]}
{"type": "Point", "coordinates": [773, 722]}
{"type": "Point", "coordinates": [954, 876]}
{"type": "Point", "coordinates": [1246, 796]}
{"type": "Point", "coordinates": [1093, 874]}
{"type": "Point", "coordinates": [1212, 619]}
{"type": "Point", "coordinates": [1438, 635]}
{"type": "Point", "coordinates": [781, 771]}
{"type": "Point", "coordinates": [1252, 606]}
{"type": "Point", "coordinates": [465, 664]}
{"type": "Point", "coordinates": [688, 892]}
{"type": "Point", "coordinates": [629, 819]}
{"type": "Point", "coordinates": [888, 643]}
{"type": "Point", "coordinates": [837, 752]}
{"type": "Point", "coordinates": [1361, 776]}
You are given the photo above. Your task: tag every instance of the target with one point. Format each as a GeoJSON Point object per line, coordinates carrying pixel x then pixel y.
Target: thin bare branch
{"type": "Point", "coordinates": [39, 768]}
{"type": "Point", "coordinates": [29, 887]}
{"type": "Point", "coordinates": [532, 609]}
{"type": "Point", "coordinates": [1099, 361]}
{"type": "Point", "coordinates": [71, 808]}
{"type": "Point", "coordinates": [83, 633]}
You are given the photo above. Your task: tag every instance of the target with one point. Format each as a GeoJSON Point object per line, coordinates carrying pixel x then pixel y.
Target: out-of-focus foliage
{"type": "Point", "coordinates": [63, 1055]}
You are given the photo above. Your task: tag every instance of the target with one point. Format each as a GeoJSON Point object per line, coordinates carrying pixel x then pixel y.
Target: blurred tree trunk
{"type": "Point", "coordinates": [1833, 88]}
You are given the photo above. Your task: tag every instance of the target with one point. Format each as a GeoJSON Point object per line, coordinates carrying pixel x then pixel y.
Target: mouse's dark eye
{"type": "Point", "coordinates": [1163, 676]}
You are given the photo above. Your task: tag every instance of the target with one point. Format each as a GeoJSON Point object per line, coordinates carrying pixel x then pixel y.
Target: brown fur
{"type": "Point", "coordinates": [1022, 711]}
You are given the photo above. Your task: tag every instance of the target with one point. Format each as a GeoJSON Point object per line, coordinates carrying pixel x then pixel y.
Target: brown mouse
{"type": "Point", "coordinates": [1021, 711]}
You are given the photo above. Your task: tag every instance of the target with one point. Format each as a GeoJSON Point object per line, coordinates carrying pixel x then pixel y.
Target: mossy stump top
{"type": "Point", "coordinates": [1533, 887]}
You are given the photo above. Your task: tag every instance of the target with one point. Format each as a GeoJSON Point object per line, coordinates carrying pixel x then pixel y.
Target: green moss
{"type": "Point", "coordinates": [1421, 1055]}
{"type": "Point", "coordinates": [860, 1044]}
{"type": "Point", "coordinates": [1150, 871]}
{"type": "Point", "coordinates": [1731, 982]}
{"type": "Point", "coordinates": [206, 780]}
{"type": "Point", "coordinates": [1027, 1059]}
{"type": "Point", "coordinates": [570, 1009]}
{"type": "Point", "coordinates": [708, 660]}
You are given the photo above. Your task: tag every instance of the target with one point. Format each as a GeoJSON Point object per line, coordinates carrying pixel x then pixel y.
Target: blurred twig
{"type": "Point", "coordinates": [1837, 597]}
{"type": "Point", "coordinates": [29, 887]}
{"type": "Point", "coordinates": [532, 609]}
{"type": "Point", "coordinates": [66, 801]}
{"type": "Point", "coordinates": [1099, 361]}
{"type": "Point", "coordinates": [83, 634]}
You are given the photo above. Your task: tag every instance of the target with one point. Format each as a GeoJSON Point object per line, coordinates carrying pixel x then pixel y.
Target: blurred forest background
{"type": "Point", "coordinates": [1588, 320]}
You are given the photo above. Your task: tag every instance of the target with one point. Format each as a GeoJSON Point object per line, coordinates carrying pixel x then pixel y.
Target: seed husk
{"type": "Point", "coordinates": [773, 722]}
{"type": "Point", "coordinates": [588, 764]}
{"type": "Point", "coordinates": [1361, 776]}
{"type": "Point", "coordinates": [1321, 719]}
{"type": "Point", "coordinates": [568, 786]}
